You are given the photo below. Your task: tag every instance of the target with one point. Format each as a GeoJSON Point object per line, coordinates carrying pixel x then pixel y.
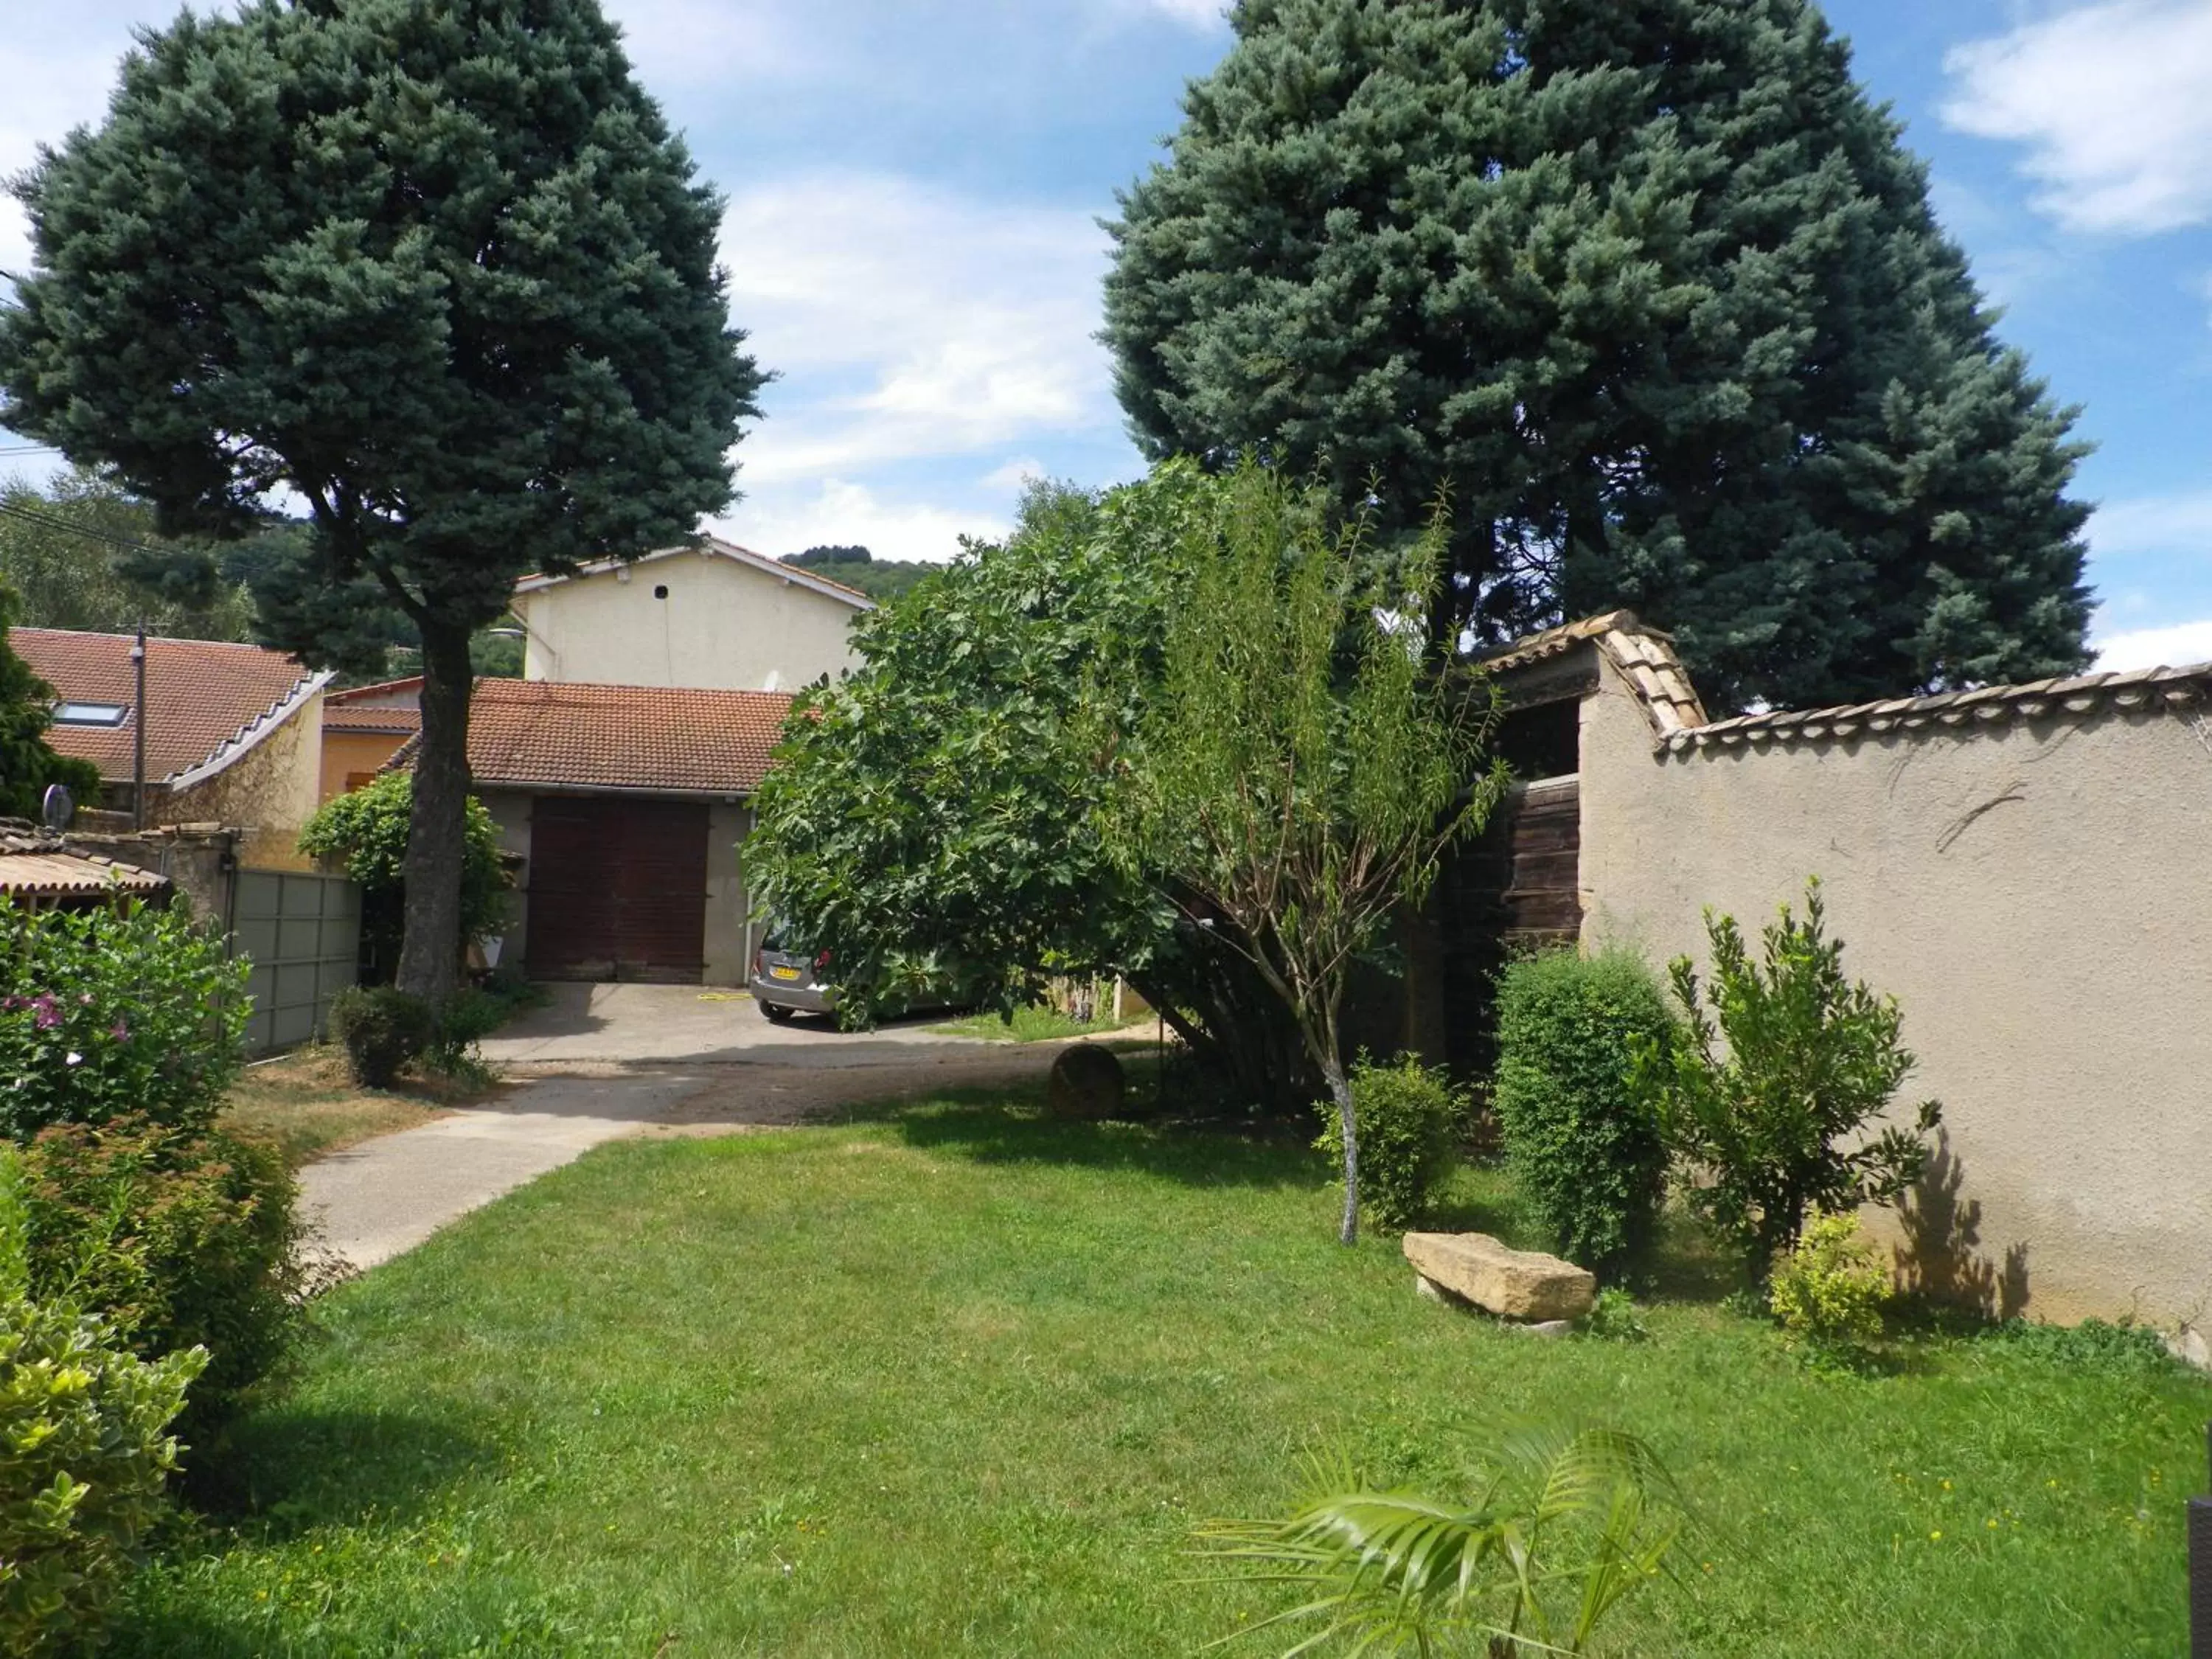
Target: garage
{"type": "Point", "coordinates": [618, 890]}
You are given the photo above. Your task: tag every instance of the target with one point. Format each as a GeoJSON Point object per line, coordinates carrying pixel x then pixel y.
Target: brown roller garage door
{"type": "Point", "coordinates": [617, 889]}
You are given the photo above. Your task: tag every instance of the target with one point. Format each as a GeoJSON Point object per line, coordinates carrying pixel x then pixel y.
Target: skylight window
{"type": "Point", "coordinates": [91, 714]}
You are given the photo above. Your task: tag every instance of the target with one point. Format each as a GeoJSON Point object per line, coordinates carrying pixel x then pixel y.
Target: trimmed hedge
{"type": "Point", "coordinates": [1590, 1155]}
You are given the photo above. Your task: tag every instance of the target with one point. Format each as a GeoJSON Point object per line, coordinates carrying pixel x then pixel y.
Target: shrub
{"type": "Point", "coordinates": [1409, 1120]}
{"type": "Point", "coordinates": [84, 1450]}
{"type": "Point", "coordinates": [367, 831]}
{"type": "Point", "coordinates": [1829, 1291]}
{"type": "Point", "coordinates": [1566, 1525]}
{"type": "Point", "coordinates": [1587, 1149]}
{"type": "Point", "coordinates": [110, 1013]}
{"type": "Point", "coordinates": [382, 1030]}
{"type": "Point", "coordinates": [1811, 1059]}
{"type": "Point", "coordinates": [1614, 1317]}
{"type": "Point", "coordinates": [177, 1240]}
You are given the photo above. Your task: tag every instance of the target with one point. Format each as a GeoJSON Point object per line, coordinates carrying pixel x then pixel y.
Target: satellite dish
{"type": "Point", "coordinates": [60, 807]}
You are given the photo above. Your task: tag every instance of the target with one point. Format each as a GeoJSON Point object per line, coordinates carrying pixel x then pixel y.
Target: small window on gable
{"type": "Point", "coordinates": [91, 714]}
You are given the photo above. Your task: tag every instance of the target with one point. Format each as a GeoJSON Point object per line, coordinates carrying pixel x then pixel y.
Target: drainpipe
{"type": "Point", "coordinates": [138, 735]}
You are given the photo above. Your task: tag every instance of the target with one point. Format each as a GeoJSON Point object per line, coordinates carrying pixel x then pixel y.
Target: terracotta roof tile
{"type": "Point", "coordinates": [351, 717]}
{"type": "Point", "coordinates": [546, 734]}
{"type": "Point", "coordinates": [35, 863]}
{"type": "Point", "coordinates": [202, 696]}
{"type": "Point", "coordinates": [1644, 657]}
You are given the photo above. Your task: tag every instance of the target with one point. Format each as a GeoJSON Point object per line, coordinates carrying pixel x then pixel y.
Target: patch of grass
{"type": "Point", "coordinates": [307, 1104]}
{"type": "Point", "coordinates": [1037, 1023]}
{"type": "Point", "coordinates": [960, 1380]}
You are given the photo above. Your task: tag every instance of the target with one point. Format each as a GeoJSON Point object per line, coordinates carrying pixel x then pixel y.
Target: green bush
{"type": "Point", "coordinates": [1409, 1120]}
{"type": "Point", "coordinates": [382, 1030]}
{"type": "Point", "coordinates": [177, 1240]}
{"type": "Point", "coordinates": [112, 1013]}
{"type": "Point", "coordinates": [1830, 1290]}
{"type": "Point", "coordinates": [84, 1450]}
{"type": "Point", "coordinates": [1784, 1068]}
{"type": "Point", "coordinates": [1587, 1151]}
{"type": "Point", "coordinates": [366, 830]}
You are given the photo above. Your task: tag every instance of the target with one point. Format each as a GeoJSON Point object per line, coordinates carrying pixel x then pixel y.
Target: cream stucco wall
{"type": "Point", "coordinates": [268, 793]}
{"type": "Point", "coordinates": [723, 625]}
{"type": "Point", "coordinates": [2039, 898]}
{"type": "Point", "coordinates": [729, 956]}
{"type": "Point", "coordinates": [510, 812]}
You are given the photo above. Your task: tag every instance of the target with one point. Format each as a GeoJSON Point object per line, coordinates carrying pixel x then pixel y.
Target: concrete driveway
{"type": "Point", "coordinates": [691, 1025]}
{"type": "Point", "coordinates": [604, 1061]}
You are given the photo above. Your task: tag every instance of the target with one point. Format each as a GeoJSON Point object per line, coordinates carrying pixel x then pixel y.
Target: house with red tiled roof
{"type": "Point", "coordinates": [228, 733]}
{"type": "Point", "coordinates": [712, 615]}
{"type": "Point", "coordinates": [363, 727]}
{"type": "Point", "coordinates": [625, 805]}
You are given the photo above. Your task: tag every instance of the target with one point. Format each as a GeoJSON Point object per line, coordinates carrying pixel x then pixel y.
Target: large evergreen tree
{"type": "Point", "coordinates": [1651, 292]}
{"type": "Point", "coordinates": [436, 268]}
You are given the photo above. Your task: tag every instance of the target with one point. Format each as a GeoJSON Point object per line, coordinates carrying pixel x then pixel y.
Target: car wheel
{"type": "Point", "coordinates": [778, 1012]}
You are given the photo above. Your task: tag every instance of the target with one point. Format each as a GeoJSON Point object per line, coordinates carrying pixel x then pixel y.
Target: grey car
{"type": "Point", "coordinates": [788, 979]}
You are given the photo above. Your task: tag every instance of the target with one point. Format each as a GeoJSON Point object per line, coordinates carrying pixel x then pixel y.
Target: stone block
{"type": "Point", "coordinates": [1512, 1283]}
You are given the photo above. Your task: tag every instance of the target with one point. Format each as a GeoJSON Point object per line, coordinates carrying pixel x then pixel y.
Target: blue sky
{"type": "Point", "coordinates": [912, 236]}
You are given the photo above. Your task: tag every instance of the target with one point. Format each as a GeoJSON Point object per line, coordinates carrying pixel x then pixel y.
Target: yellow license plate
{"type": "Point", "coordinates": [783, 973]}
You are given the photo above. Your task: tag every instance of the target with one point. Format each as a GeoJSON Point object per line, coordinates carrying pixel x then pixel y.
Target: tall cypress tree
{"type": "Point", "coordinates": [1652, 292]}
{"type": "Point", "coordinates": [436, 269]}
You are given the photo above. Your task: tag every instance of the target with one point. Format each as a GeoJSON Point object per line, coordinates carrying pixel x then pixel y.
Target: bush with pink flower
{"type": "Point", "coordinates": [133, 1012]}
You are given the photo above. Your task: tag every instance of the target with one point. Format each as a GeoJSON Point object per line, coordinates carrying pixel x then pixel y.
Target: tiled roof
{"type": "Point", "coordinates": [352, 717]}
{"type": "Point", "coordinates": [33, 865]}
{"type": "Point", "coordinates": [1644, 656]}
{"type": "Point", "coordinates": [715, 547]}
{"type": "Point", "coordinates": [650, 739]}
{"type": "Point", "coordinates": [205, 700]}
{"type": "Point", "coordinates": [2078, 697]}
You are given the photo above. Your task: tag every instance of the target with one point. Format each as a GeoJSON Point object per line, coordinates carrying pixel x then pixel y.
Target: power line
{"type": "Point", "coordinates": [28, 449]}
{"type": "Point", "coordinates": [31, 515]}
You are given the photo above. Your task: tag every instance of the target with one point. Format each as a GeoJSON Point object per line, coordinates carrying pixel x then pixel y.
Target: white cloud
{"type": "Point", "coordinates": [2154, 524]}
{"type": "Point", "coordinates": [2115, 104]}
{"type": "Point", "coordinates": [50, 90]}
{"type": "Point", "coordinates": [1196, 14]}
{"type": "Point", "coordinates": [909, 321]}
{"type": "Point", "coordinates": [695, 42]}
{"type": "Point", "coordinates": [1015, 475]}
{"type": "Point", "coordinates": [2181, 644]}
{"type": "Point", "coordinates": [834, 512]}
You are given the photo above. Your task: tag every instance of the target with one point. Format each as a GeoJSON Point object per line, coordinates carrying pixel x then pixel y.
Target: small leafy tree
{"type": "Point", "coordinates": [28, 765]}
{"type": "Point", "coordinates": [1303, 766]}
{"type": "Point", "coordinates": [936, 817]}
{"type": "Point", "coordinates": [1568, 1525]}
{"type": "Point", "coordinates": [367, 830]}
{"type": "Point", "coordinates": [1775, 1126]}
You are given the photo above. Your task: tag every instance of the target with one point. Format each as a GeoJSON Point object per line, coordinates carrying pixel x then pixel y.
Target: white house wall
{"type": "Point", "coordinates": [722, 625]}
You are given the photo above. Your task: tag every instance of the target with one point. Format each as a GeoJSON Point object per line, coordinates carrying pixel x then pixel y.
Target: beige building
{"type": "Point", "coordinates": [714, 616]}
{"type": "Point", "coordinates": [2024, 867]}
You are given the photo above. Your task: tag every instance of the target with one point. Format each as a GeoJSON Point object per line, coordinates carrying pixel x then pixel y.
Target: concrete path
{"type": "Point", "coordinates": [386, 1195]}
{"type": "Point", "coordinates": [602, 1061]}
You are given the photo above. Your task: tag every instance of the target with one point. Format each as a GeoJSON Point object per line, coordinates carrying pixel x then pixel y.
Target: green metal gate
{"type": "Point", "coordinates": [302, 932]}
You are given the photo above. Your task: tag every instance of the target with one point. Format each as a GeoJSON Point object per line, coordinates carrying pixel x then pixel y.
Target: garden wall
{"type": "Point", "coordinates": [2029, 871]}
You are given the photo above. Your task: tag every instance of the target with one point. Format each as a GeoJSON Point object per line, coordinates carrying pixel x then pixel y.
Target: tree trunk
{"type": "Point", "coordinates": [430, 950]}
{"type": "Point", "coordinates": [1339, 1090]}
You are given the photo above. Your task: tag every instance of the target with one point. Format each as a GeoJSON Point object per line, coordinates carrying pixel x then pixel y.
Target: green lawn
{"type": "Point", "coordinates": [1033, 1023]}
{"type": "Point", "coordinates": [960, 1382]}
